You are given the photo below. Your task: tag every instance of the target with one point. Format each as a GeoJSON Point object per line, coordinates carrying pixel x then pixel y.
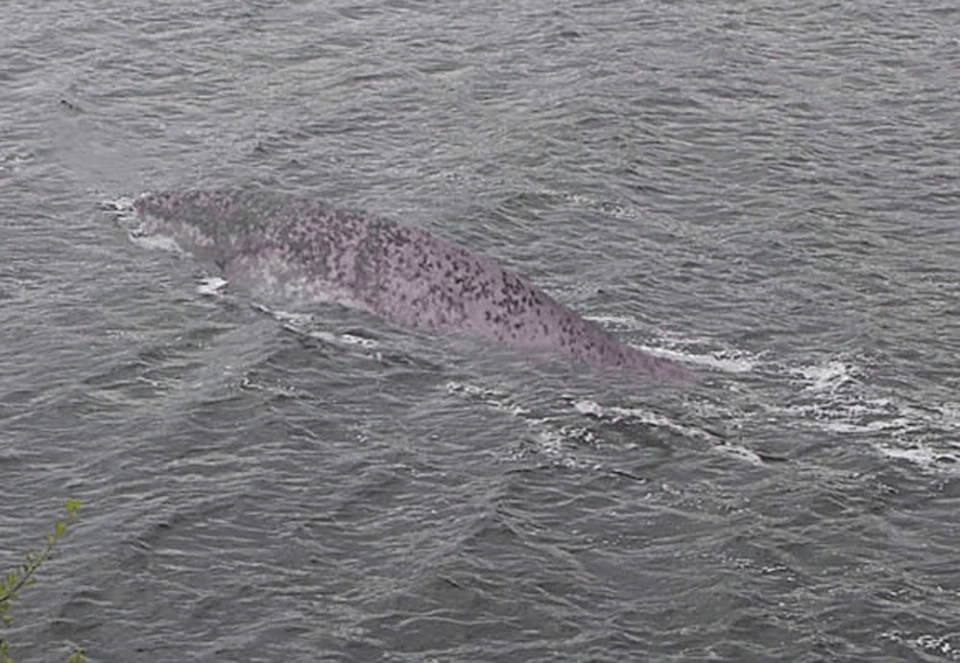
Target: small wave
{"type": "Point", "coordinates": [560, 442]}
{"type": "Point", "coordinates": [546, 439]}
{"type": "Point", "coordinates": [616, 414]}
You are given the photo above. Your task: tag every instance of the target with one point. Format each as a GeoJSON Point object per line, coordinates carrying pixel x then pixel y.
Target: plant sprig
{"type": "Point", "coordinates": [23, 577]}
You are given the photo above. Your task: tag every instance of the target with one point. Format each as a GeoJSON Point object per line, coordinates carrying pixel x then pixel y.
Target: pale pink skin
{"type": "Point", "coordinates": [298, 251]}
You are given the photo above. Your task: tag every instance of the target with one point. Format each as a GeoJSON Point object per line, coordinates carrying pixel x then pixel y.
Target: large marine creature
{"type": "Point", "coordinates": [299, 251]}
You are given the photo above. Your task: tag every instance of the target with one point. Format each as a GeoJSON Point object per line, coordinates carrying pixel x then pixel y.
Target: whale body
{"type": "Point", "coordinates": [299, 251]}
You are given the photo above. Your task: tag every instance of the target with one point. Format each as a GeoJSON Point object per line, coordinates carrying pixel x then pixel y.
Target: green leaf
{"type": "Point", "coordinates": [14, 581]}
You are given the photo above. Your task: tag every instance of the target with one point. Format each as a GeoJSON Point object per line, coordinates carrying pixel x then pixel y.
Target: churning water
{"type": "Point", "coordinates": [768, 193]}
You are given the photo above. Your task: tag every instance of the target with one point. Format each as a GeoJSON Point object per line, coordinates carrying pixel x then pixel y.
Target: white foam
{"type": "Point", "coordinates": [290, 320]}
{"type": "Point", "coordinates": [212, 286]}
{"type": "Point", "coordinates": [740, 453]}
{"type": "Point", "coordinates": [921, 455]}
{"type": "Point", "coordinates": [726, 361]}
{"type": "Point", "coordinates": [361, 341]}
{"type": "Point", "coordinates": [622, 321]}
{"type": "Point", "coordinates": [677, 347]}
{"type": "Point", "coordinates": [935, 645]}
{"type": "Point", "coordinates": [121, 205]}
{"type": "Point", "coordinates": [493, 398]}
{"type": "Point", "coordinates": [303, 323]}
{"type": "Point", "coordinates": [156, 242]}
{"type": "Point", "coordinates": [829, 375]}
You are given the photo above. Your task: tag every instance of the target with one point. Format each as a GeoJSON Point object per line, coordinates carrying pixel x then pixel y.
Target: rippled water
{"type": "Point", "coordinates": [768, 194]}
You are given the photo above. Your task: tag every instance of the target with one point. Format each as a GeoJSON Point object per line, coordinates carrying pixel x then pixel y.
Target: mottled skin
{"type": "Point", "coordinates": [299, 251]}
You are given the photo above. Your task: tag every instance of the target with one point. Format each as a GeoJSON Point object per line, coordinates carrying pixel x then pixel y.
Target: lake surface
{"type": "Point", "coordinates": [767, 193]}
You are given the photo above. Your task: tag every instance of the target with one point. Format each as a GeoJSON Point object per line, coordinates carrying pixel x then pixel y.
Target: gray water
{"type": "Point", "coordinates": [767, 193]}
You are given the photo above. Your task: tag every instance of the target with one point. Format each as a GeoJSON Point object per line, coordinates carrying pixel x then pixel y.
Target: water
{"type": "Point", "coordinates": [768, 194]}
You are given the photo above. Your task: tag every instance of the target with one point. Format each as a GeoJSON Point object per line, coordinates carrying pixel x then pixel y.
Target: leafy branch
{"type": "Point", "coordinates": [23, 577]}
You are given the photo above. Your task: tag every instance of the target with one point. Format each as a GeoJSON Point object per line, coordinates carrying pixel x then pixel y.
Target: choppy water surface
{"type": "Point", "coordinates": [769, 195]}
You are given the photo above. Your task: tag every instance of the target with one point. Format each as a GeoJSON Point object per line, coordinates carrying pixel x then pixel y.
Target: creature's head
{"type": "Point", "coordinates": [199, 223]}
